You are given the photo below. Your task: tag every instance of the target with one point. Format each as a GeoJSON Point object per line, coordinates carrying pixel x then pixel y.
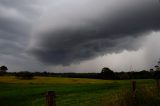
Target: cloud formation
{"type": "Point", "coordinates": [72, 31]}
{"type": "Point", "coordinates": [15, 28]}
{"type": "Point", "coordinates": [64, 32]}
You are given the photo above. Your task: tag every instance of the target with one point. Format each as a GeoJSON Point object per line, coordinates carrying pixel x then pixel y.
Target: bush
{"type": "Point", "coordinates": [24, 75]}
{"type": "Point", "coordinates": [107, 73]}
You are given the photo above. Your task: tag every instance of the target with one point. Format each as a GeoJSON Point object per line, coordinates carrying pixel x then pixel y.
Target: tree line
{"type": "Point", "coordinates": [106, 73]}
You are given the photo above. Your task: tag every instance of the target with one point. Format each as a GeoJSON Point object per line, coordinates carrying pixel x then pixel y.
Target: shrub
{"type": "Point", "coordinates": [107, 73]}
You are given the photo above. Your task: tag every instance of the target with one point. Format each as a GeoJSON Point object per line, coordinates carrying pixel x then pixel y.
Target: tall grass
{"type": "Point", "coordinates": [145, 96]}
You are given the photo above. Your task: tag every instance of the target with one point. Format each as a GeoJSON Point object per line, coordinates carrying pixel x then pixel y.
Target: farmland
{"type": "Point", "coordinates": [76, 92]}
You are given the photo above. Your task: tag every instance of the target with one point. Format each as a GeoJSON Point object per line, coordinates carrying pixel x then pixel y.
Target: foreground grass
{"type": "Point", "coordinates": [145, 96]}
{"type": "Point", "coordinates": [69, 91]}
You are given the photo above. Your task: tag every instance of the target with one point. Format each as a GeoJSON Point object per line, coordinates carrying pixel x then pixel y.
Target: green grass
{"type": "Point", "coordinates": [69, 91]}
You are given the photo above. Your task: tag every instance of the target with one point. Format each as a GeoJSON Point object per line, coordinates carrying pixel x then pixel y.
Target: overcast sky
{"type": "Point", "coordinates": [79, 35]}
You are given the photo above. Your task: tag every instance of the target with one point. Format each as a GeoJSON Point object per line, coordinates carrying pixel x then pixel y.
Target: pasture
{"type": "Point", "coordinates": [76, 92]}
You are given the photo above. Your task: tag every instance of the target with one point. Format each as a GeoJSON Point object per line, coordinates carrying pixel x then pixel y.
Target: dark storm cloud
{"type": "Point", "coordinates": [15, 28]}
{"type": "Point", "coordinates": [8, 47]}
{"type": "Point", "coordinates": [106, 33]}
{"type": "Point", "coordinates": [70, 31]}
{"type": "Point", "coordinates": [17, 18]}
{"type": "Point", "coordinates": [14, 31]}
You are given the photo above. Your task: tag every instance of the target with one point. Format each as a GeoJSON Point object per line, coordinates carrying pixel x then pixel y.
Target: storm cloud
{"type": "Point", "coordinates": [73, 31]}
{"type": "Point", "coordinates": [55, 34]}
{"type": "Point", "coordinates": [15, 28]}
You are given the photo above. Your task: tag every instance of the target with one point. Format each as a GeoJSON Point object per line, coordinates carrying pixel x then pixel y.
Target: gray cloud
{"type": "Point", "coordinates": [62, 32]}
{"type": "Point", "coordinates": [75, 34]}
{"type": "Point", "coordinates": [15, 29]}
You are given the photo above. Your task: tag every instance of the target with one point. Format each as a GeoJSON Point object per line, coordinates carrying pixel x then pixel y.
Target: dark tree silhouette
{"type": "Point", "coordinates": [157, 72]}
{"type": "Point", "coordinates": [107, 73]}
{"type": "Point", "coordinates": [3, 69]}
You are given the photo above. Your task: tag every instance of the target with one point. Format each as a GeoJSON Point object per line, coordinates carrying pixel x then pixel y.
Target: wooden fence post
{"type": "Point", "coordinates": [133, 89]}
{"type": "Point", "coordinates": [50, 98]}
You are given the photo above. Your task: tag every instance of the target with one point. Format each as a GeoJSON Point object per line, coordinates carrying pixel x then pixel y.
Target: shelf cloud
{"type": "Point", "coordinates": [74, 31]}
{"type": "Point", "coordinates": [39, 34]}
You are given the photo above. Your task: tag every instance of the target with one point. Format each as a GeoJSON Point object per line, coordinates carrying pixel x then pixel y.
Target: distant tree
{"type": "Point", "coordinates": [3, 70]}
{"type": "Point", "coordinates": [157, 72]}
{"type": "Point", "coordinates": [144, 74]}
{"type": "Point", "coordinates": [151, 70]}
{"type": "Point", "coordinates": [24, 75]}
{"type": "Point", "coordinates": [107, 73]}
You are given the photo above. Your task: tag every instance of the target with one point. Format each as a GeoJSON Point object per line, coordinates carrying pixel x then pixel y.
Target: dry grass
{"type": "Point", "coordinates": [52, 80]}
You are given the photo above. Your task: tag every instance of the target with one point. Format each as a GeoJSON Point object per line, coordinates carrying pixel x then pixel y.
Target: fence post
{"type": "Point", "coordinates": [50, 98]}
{"type": "Point", "coordinates": [133, 89]}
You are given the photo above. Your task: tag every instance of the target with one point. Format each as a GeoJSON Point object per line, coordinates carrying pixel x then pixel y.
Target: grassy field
{"type": "Point", "coordinates": [76, 92]}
